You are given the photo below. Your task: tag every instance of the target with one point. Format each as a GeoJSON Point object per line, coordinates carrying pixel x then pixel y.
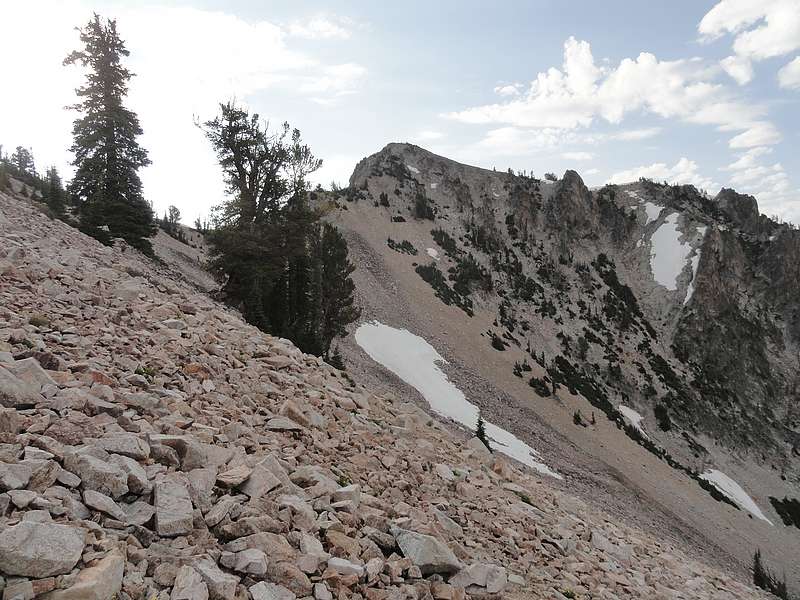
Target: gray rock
{"type": "Point", "coordinates": [273, 545]}
{"type": "Point", "coordinates": [175, 324]}
{"type": "Point", "coordinates": [104, 504]}
{"type": "Point", "coordinates": [22, 498]}
{"type": "Point", "coordinates": [11, 421]}
{"type": "Point", "coordinates": [137, 480]}
{"type": "Point", "coordinates": [97, 474]}
{"type": "Point", "coordinates": [251, 561]}
{"type": "Point", "coordinates": [321, 592]}
{"type": "Point", "coordinates": [126, 444]}
{"type": "Point", "coordinates": [622, 552]}
{"type": "Point", "coordinates": [492, 578]}
{"type": "Point", "coordinates": [304, 517]}
{"type": "Point", "coordinates": [100, 582]}
{"type": "Point", "coordinates": [16, 393]}
{"type": "Point", "coordinates": [426, 552]}
{"type": "Point", "coordinates": [173, 508]}
{"type": "Point", "coordinates": [351, 493]}
{"type": "Point", "coordinates": [14, 476]}
{"type": "Point", "coordinates": [19, 590]}
{"type": "Point", "coordinates": [138, 513]}
{"type": "Point", "coordinates": [31, 372]}
{"type": "Point", "coordinates": [283, 424]}
{"type": "Point", "coordinates": [40, 549]}
{"type": "Point", "coordinates": [345, 567]}
{"type": "Point", "coordinates": [201, 487]}
{"type": "Point", "coordinates": [220, 510]}
{"type": "Point", "coordinates": [447, 524]}
{"type": "Point", "coordinates": [221, 585]}
{"type": "Point", "coordinates": [189, 585]}
{"type": "Point", "coordinates": [260, 482]}
{"type": "Point", "coordinates": [269, 591]}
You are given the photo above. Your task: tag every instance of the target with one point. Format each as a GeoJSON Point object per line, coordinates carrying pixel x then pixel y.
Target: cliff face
{"type": "Point", "coordinates": [645, 294]}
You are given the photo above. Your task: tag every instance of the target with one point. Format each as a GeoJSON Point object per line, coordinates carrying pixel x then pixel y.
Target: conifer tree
{"type": "Point", "coordinates": [54, 191]}
{"type": "Point", "coordinates": [337, 293]}
{"type": "Point", "coordinates": [288, 272]}
{"type": "Point", "coordinates": [22, 160]}
{"type": "Point", "coordinates": [480, 431]}
{"type": "Point", "coordinates": [107, 154]}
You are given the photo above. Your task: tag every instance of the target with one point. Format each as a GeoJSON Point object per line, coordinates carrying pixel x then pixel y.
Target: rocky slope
{"type": "Point", "coordinates": [669, 317]}
{"type": "Point", "coordinates": [152, 445]}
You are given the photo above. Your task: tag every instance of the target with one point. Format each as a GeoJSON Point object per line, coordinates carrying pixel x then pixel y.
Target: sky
{"type": "Point", "coordinates": [687, 91]}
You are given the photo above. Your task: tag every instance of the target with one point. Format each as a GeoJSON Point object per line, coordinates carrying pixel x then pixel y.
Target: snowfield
{"type": "Point", "coordinates": [633, 417]}
{"type": "Point", "coordinates": [734, 491]}
{"type": "Point", "coordinates": [668, 255]}
{"type": "Point", "coordinates": [413, 169]}
{"type": "Point", "coordinates": [414, 361]}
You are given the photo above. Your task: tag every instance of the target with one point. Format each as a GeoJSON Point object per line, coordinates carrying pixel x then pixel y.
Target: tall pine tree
{"type": "Point", "coordinates": [106, 185]}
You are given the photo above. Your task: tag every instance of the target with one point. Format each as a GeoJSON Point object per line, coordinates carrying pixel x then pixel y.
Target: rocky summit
{"type": "Point", "coordinates": [154, 446]}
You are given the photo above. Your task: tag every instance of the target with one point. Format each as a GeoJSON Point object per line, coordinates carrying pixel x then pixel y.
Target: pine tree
{"type": "Point", "coordinates": [107, 155]}
{"type": "Point", "coordinates": [5, 182]}
{"type": "Point", "coordinates": [173, 217]}
{"type": "Point", "coordinates": [54, 191]}
{"type": "Point", "coordinates": [337, 294]}
{"type": "Point", "coordinates": [480, 431]}
{"type": "Point", "coordinates": [289, 273]}
{"type": "Point", "coordinates": [22, 161]}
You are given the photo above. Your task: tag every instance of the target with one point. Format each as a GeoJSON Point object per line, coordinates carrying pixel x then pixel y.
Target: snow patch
{"type": "Point", "coordinates": [434, 186]}
{"type": "Point", "coordinates": [432, 252]}
{"type": "Point", "coordinates": [695, 262]}
{"type": "Point", "coordinates": [653, 211]}
{"type": "Point", "coordinates": [633, 417]}
{"type": "Point", "coordinates": [413, 169]}
{"type": "Point", "coordinates": [734, 491]}
{"type": "Point", "coordinates": [414, 361]}
{"type": "Point", "coordinates": [668, 256]}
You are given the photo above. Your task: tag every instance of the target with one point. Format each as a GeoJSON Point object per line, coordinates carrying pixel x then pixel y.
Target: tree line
{"type": "Point", "coordinates": [286, 269]}
{"type": "Point", "coordinates": [21, 166]}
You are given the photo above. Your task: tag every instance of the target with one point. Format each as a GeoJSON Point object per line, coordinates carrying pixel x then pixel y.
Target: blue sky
{"type": "Point", "coordinates": [687, 91]}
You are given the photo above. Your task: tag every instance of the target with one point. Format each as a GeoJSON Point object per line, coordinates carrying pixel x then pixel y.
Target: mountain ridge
{"type": "Point", "coordinates": [440, 249]}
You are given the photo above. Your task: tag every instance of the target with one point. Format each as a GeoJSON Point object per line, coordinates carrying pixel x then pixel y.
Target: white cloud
{"type": "Point", "coordinates": [789, 75]}
{"type": "Point", "coordinates": [577, 155]}
{"type": "Point", "coordinates": [507, 90]}
{"type": "Point", "coordinates": [322, 27]}
{"type": "Point", "coordinates": [748, 159]}
{"type": "Point", "coordinates": [636, 134]}
{"type": "Point", "coordinates": [186, 60]}
{"type": "Point", "coordinates": [739, 68]}
{"type": "Point", "coordinates": [768, 183]}
{"type": "Point", "coordinates": [428, 135]}
{"type": "Point", "coordinates": [592, 171]}
{"type": "Point", "coordinates": [684, 171]}
{"type": "Point", "coordinates": [762, 29]}
{"type": "Point", "coordinates": [581, 92]}
{"type": "Point", "coordinates": [336, 80]}
{"type": "Point", "coordinates": [511, 141]}
{"type": "Point", "coordinates": [760, 133]}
